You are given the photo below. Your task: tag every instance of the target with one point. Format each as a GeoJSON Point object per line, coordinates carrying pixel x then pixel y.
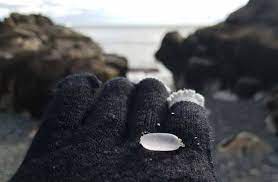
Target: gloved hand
{"type": "Point", "coordinates": [91, 132]}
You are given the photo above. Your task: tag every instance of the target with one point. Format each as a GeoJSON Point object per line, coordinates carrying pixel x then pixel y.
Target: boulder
{"type": "Point", "coordinates": [170, 50]}
{"type": "Point", "coordinates": [245, 145]}
{"type": "Point", "coordinates": [169, 53]}
{"type": "Point", "coordinates": [118, 62]}
{"type": "Point", "coordinates": [256, 12]}
{"type": "Point", "coordinates": [200, 72]}
{"type": "Point", "coordinates": [35, 53]}
{"type": "Point", "coordinates": [246, 157]}
{"type": "Point", "coordinates": [243, 46]}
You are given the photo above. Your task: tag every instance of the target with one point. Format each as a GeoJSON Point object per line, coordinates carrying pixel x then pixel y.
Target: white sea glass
{"type": "Point", "coordinates": [161, 142]}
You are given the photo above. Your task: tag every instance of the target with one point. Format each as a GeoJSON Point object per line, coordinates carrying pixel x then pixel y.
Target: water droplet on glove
{"type": "Point", "coordinates": [161, 142]}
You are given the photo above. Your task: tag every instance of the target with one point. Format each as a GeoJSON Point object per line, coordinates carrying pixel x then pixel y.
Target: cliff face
{"type": "Point", "coordinates": [35, 53]}
{"type": "Point", "coordinates": [240, 53]}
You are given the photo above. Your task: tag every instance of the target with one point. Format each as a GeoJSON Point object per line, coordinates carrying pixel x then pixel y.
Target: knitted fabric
{"type": "Point", "coordinates": [91, 133]}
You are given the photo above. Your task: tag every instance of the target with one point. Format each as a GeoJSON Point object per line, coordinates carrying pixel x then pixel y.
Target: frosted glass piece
{"type": "Point", "coordinates": [161, 142]}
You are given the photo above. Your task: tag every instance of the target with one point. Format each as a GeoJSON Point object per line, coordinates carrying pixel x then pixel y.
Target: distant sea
{"type": "Point", "coordinates": [138, 44]}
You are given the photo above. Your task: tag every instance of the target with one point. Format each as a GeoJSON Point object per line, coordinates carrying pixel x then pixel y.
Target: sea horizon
{"type": "Point", "coordinates": [138, 44]}
{"type": "Point", "coordinates": [139, 25]}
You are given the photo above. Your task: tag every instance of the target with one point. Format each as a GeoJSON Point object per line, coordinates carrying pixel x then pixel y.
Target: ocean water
{"type": "Point", "coordinates": [138, 44]}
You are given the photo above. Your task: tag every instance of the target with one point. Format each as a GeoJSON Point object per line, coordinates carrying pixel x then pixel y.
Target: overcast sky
{"type": "Point", "coordinates": [127, 12]}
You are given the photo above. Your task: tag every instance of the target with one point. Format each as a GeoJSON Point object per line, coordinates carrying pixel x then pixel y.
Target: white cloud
{"type": "Point", "coordinates": [127, 11]}
{"type": "Point", "coordinates": [4, 12]}
{"type": "Point", "coordinates": [20, 2]}
{"type": "Point", "coordinates": [176, 11]}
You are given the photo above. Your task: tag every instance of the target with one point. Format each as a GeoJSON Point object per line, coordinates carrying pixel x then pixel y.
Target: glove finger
{"type": "Point", "coordinates": [189, 122]}
{"type": "Point", "coordinates": [73, 97]}
{"type": "Point", "coordinates": [149, 108]}
{"type": "Point", "coordinates": [107, 120]}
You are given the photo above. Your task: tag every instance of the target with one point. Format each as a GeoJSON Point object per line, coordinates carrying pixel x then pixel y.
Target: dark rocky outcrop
{"type": "Point", "coordinates": [256, 12]}
{"type": "Point", "coordinates": [243, 46]}
{"type": "Point", "coordinates": [242, 157]}
{"type": "Point", "coordinates": [35, 53]}
{"type": "Point", "coordinates": [245, 145]}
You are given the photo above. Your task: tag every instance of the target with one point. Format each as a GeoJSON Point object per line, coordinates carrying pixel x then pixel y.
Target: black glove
{"type": "Point", "coordinates": [91, 133]}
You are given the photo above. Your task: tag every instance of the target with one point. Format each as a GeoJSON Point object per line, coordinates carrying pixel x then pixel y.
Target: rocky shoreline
{"type": "Point", "coordinates": [238, 56]}
{"type": "Point", "coordinates": [239, 53]}
{"type": "Point", "coordinates": [35, 53]}
{"type": "Point", "coordinates": [234, 63]}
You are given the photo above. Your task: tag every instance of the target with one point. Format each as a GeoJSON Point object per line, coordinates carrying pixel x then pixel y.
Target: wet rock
{"type": "Point", "coordinates": [171, 50]}
{"type": "Point", "coordinates": [35, 53]}
{"type": "Point", "coordinates": [118, 62]}
{"type": "Point", "coordinates": [199, 72]}
{"type": "Point", "coordinates": [256, 12]}
{"type": "Point", "coordinates": [246, 157]}
{"type": "Point", "coordinates": [245, 145]}
{"type": "Point", "coordinates": [245, 45]}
